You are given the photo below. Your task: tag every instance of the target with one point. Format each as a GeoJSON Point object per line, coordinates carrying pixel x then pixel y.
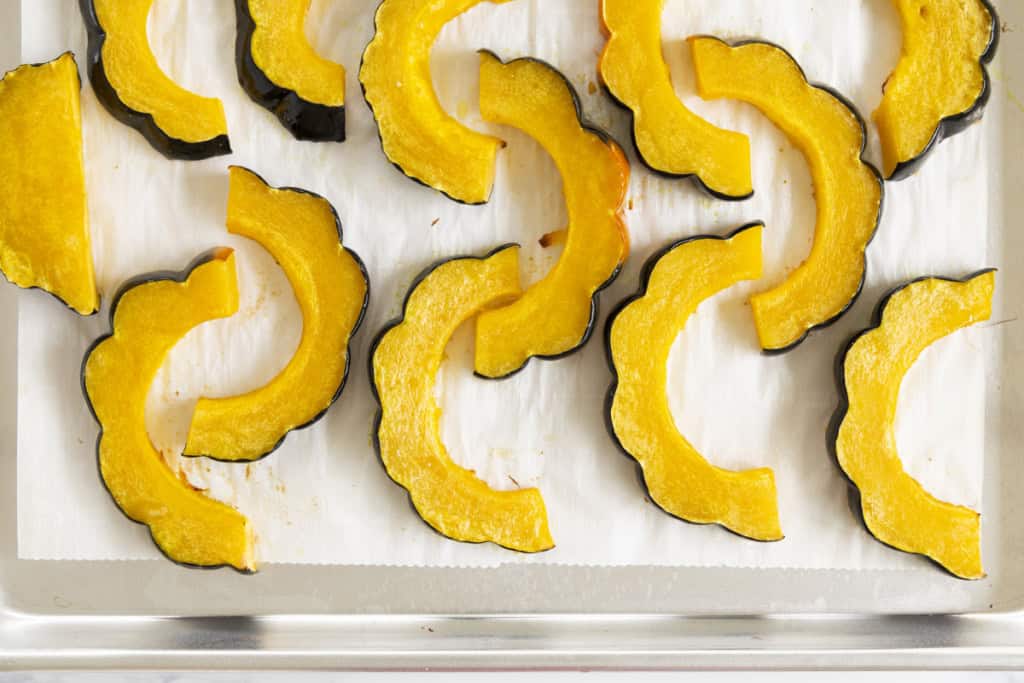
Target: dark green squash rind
{"type": "Point", "coordinates": [606, 138]}
{"type": "Point", "coordinates": [305, 120]}
{"type": "Point", "coordinates": [842, 99]}
{"type": "Point", "coordinates": [836, 421]}
{"type": "Point", "coordinates": [38, 287]}
{"type": "Point", "coordinates": [126, 286]}
{"type": "Point", "coordinates": [957, 123]}
{"type": "Point", "coordinates": [352, 334]}
{"type": "Point", "coordinates": [170, 147]}
{"type": "Point", "coordinates": [379, 414]}
{"type": "Point", "coordinates": [645, 279]}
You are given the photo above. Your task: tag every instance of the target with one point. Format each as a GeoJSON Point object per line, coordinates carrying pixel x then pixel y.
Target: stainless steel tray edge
{"type": "Point", "coordinates": [548, 642]}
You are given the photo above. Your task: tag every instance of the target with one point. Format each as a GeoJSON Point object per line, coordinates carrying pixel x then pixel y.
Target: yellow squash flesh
{"type": "Point", "coordinates": [896, 508]}
{"type": "Point", "coordinates": [670, 138]}
{"type": "Point", "coordinates": [417, 135]}
{"type": "Point", "coordinates": [300, 230]}
{"type": "Point", "coordinates": [44, 224]}
{"type": "Point", "coordinates": [281, 50]}
{"type": "Point", "coordinates": [148, 320]}
{"type": "Point", "coordinates": [404, 365]}
{"type": "Point", "coordinates": [139, 82]}
{"type": "Point", "coordinates": [640, 337]}
{"type": "Point", "coordinates": [555, 315]}
{"type": "Point", "coordinates": [847, 189]}
{"type": "Point", "coordinates": [940, 75]}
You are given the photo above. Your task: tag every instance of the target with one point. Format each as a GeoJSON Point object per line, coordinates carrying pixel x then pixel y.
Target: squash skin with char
{"type": "Point", "coordinates": [44, 221]}
{"type": "Point", "coordinates": [670, 139]}
{"type": "Point", "coordinates": [303, 233]}
{"type": "Point", "coordinates": [911, 86]}
{"type": "Point", "coordinates": [310, 107]}
{"type": "Point", "coordinates": [849, 191]}
{"type": "Point", "coordinates": [555, 316]}
{"type": "Point", "coordinates": [893, 506]}
{"type": "Point", "coordinates": [638, 337]}
{"type": "Point", "coordinates": [148, 317]}
{"type": "Point", "coordinates": [163, 128]}
{"type": "Point", "coordinates": [449, 498]}
{"type": "Point", "coordinates": [423, 141]}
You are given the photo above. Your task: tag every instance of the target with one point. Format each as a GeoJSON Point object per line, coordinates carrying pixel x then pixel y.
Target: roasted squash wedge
{"type": "Point", "coordinates": [940, 85]}
{"type": "Point", "coordinates": [404, 362]}
{"type": "Point", "coordinates": [555, 316]}
{"type": "Point", "coordinates": [131, 86]}
{"type": "Point", "coordinates": [417, 135]}
{"type": "Point", "coordinates": [303, 233]}
{"type": "Point", "coordinates": [895, 507]}
{"type": "Point", "coordinates": [280, 70]}
{"type": "Point", "coordinates": [848, 190]}
{"type": "Point", "coordinates": [44, 224]}
{"type": "Point", "coordinates": [148, 318]}
{"type": "Point", "coordinates": [670, 139]}
{"type": "Point", "coordinates": [640, 334]}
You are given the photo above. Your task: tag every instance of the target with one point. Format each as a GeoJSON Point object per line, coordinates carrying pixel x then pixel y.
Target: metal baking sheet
{"type": "Point", "coordinates": [158, 615]}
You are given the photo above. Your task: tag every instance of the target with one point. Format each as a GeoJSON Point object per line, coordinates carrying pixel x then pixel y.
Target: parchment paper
{"type": "Point", "coordinates": [324, 497]}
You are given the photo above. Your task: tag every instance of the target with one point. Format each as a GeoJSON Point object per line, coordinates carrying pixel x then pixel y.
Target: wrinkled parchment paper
{"type": "Point", "coordinates": [323, 497]}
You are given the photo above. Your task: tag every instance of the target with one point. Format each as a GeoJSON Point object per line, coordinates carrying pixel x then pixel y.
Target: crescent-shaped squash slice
{"type": "Point", "coordinates": [896, 508]}
{"type": "Point", "coordinates": [670, 139]}
{"type": "Point", "coordinates": [404, 362]}
{"type": "Point", "coordinates": [148, 318]}
{"type": "Point", "coordinates": [848, 190]}
{"type": "Point", "coordinates": [44, 224]}
{"type": "Point", "coordinates": [555, 316]}
{"type": "Point", "coordinates": [940, 85]}
{"type": "Point", "coordinates": [303, 233]}
{"type": "Point", "coordinates": [639, 337]}
{"type": "Point", "coordinates": [417, 135]}
{"type": "Point", "coordinates": [281, 71]}
{"type": "Point", "coordinates": [131, 86]}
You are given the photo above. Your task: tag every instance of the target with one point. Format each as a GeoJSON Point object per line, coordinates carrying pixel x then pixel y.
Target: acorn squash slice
{"type": "Point", "coordinates": [417, 135]}
{"type": "Point", "coordinates": [848, 190]}
{"type": "Point", "coordinates": [556, 315]}
{"type": "Point", "coordinates": [669, 138]}
{"type": "Point", "coordinates": [148, 317]}
{"type": "Point", "coordinates": [129, 83]}
{"type": "Point", "coordinates": [44, 223]}
{"type": "Point", "coordinates": [639, 338]}
{"type": "Point", "coordinates": [404, 362]}
{"type": "Point", "coordinates": [940, 85]}
{"type": "Point", "coordinates": [280, 70]}
{"type": "Point", "coordinates": [895, 507]}
{"type": "Point", "coordinates": [303, 233]}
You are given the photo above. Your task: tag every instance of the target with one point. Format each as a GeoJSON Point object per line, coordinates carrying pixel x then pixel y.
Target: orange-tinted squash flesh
{"type": "Point", "coordinates": [555, 316]}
